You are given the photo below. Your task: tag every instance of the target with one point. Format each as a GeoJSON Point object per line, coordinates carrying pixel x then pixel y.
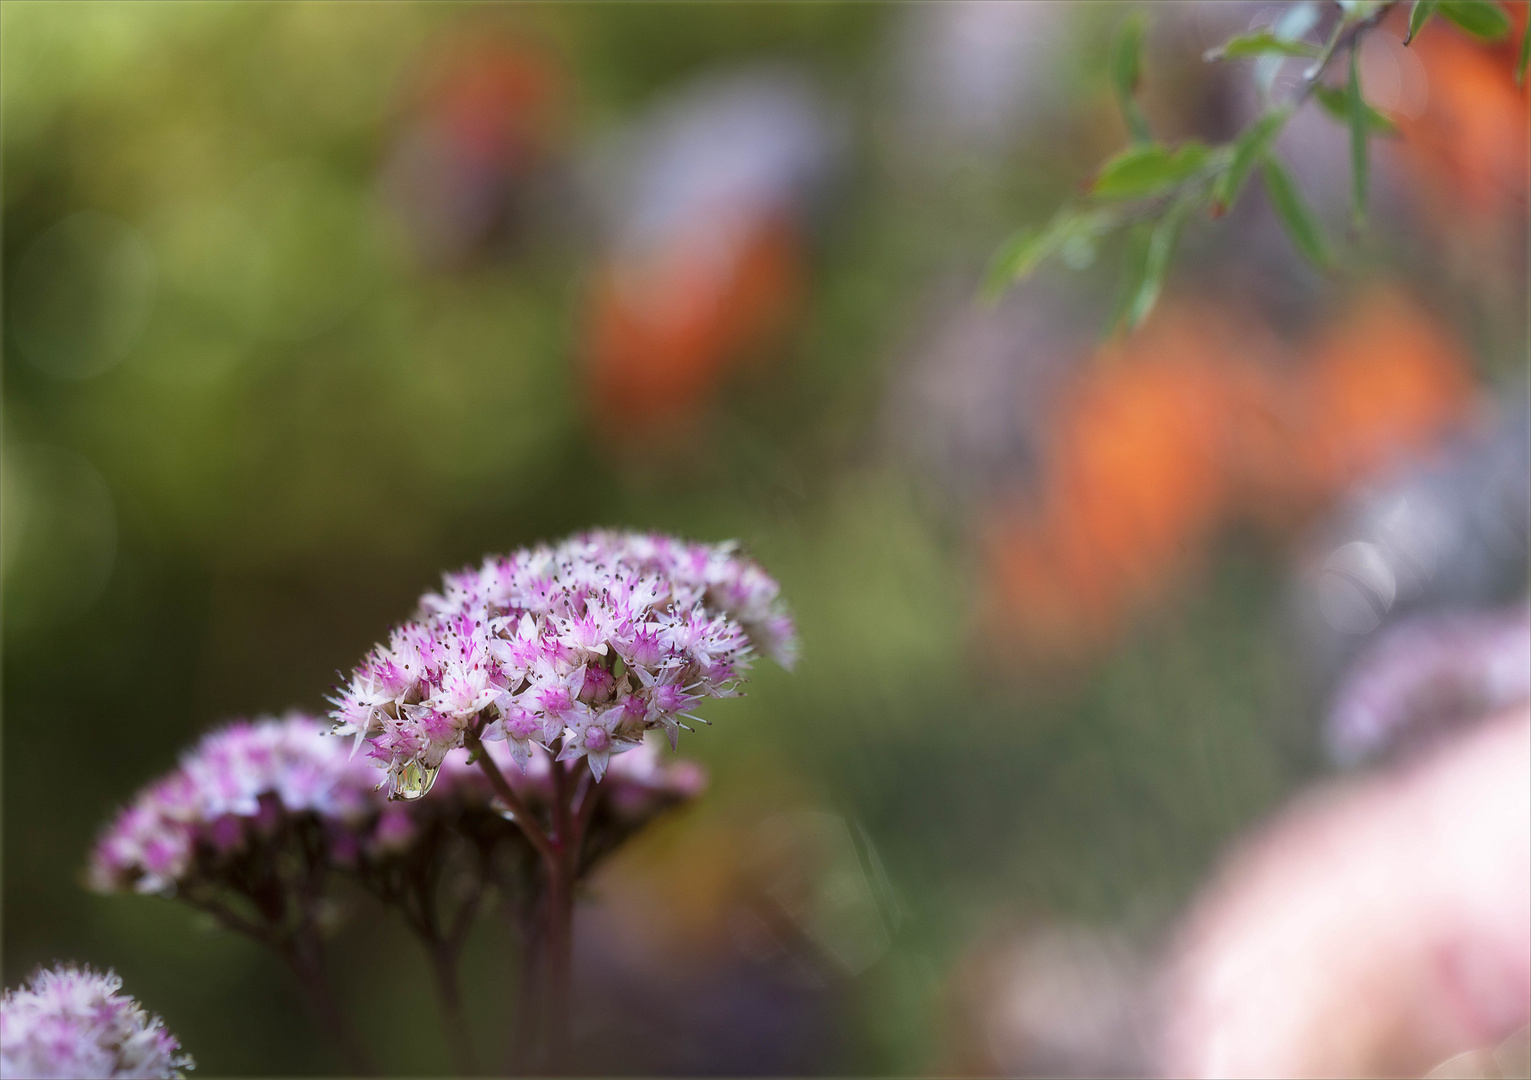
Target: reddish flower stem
{"type": "Point", "coordinates": [522, 816]}
{"type": "Point", "coordinates": [305, 960]}
{"type": "Point", "coordinates": [309, 970]}
{"type": "Point", "coordinates": [454, 1023]}
{"type": "Point", "coordinates": [587, 797]}
{"type": "Point", "coordinates": [559, 852]}
{"type": "Point", "coordinates": [562, 871]}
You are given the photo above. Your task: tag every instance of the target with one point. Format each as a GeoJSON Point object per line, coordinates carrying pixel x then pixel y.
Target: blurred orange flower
{"type": "Point", "coordinates": [1137, 475]}
{"type": "Point", "coordinates": [667, 327]}
{"type": "Point", "coordinates": [1192, 421]}
{"type": "Point", "coordinates": [1383, 381]}
{"type": "Point", "coordinates": [497, 97]}
{"type": "Point", "coordinates": [485, 111]}
{"type": "Point", "coordinates": [1472, 143]}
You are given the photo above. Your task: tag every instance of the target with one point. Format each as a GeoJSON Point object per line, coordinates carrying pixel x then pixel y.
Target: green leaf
{"type": "Point", "coordinates": [1248, 149]}
{"type": "Point", "coordinates": [1356, 109]}
{"type": "Point", "coordinates": [1481, 18]}
{"type": "Point", "coordinates": [1017, 257]}
{"type": "Point", "coordinates": [1147, 170]}
{"type": "Point", "coordinates": [1259, 43]}
{"type": "Point", "coordinates": [1293, 25]}
{"type": "Point", "coordinates": [1525, 55]}
{"type": "Point", "coordinates": [1419, 14]}
{"type": "Point", "coordinates": [1294, 212]}
{"type": "Point", "coordinates": [1134, 263]}
{"type": "Point", "coordinates": [1337, 105]}
{"type": "Point", "coordinates": [1156, 262]}
{"type": "Point", "coordinates": [1126, 70]}
{"type": "Point", "coordinates": [1024, 251]}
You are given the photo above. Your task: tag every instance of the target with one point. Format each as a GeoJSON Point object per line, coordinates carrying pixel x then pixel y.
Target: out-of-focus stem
{"type": "Point", "coordinates": [308, 968]}
{"type": "Point", "coordinates": [306, 963]}
{"type": "Point", "coordinates": [559, 861]}
{"type": "Point", "coordinates": [557, 966]}
{"type": "Point", "coordinates": [559, 914]}
{"type": "Point", "coordinates": [521, 1049]}
{"type": "Point", "coordinates": [1345, 34]}
{"type": "Point", "coordinates": [454, 1024]}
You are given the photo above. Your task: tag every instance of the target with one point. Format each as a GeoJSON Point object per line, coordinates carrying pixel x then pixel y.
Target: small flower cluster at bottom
{"type": "Point", "coordinates": [75, 1022]}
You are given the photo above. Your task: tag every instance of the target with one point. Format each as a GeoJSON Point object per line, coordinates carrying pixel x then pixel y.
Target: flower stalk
{"type": "Point", "coordinates": [561, 857]}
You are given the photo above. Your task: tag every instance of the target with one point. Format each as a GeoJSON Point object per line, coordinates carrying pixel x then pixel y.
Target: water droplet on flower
{"type": "Point", "coordinates": [415, 780]}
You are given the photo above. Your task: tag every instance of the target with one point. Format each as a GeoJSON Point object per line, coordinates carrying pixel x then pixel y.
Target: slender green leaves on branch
{"type": "Point", "coordinates": [1360, 124]}
{"type": "Point", "coordinates": [1134, 263]}
{"type": "Point", "coordinates": [1150, 190]}
{"type": "Point", "coordinates": [1259, 43]}
{"type": "Point", "coordinates": [1017, 257]}
{"type": "Point", "coordinates": [1293, 25]}
{"type": "Point", "coordinates": [1156, 263]}
{"type": "Point", "coordinates": [1248, 149]}
{"type": "Point", "coordinates": [1148, 170]}
{"type": "Point", "coordinates": [1480, 18]}
{"type": "Point", "coordinates": [1336, 103]}
{"type": "Point", "coordinates": [1294, 212]}
{"type": "Point", "coordinates": [1127, 70]}
{"type": "Point", "coordinates": [1419, 14]}
{"type": "Point", "coordinates": [1026, 249]}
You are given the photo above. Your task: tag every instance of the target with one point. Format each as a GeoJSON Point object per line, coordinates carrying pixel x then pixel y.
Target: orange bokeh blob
{"type": "Point", "coordinates": [1137, 473]}
{"type": "Point", "coordinates": [1382, 382]}
{"type": "Point", "coordinates": [1472, 144]}
{"type": "Point", "coordinates": [1195, 421]}
{"type": "Point", "coordinates": [498, 98]}
{"type": "Point", "coordinates": [666, 328]}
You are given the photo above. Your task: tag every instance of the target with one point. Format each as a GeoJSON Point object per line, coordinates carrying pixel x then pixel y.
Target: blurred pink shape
{"type": "Point", "coordinates": [1379, 927]}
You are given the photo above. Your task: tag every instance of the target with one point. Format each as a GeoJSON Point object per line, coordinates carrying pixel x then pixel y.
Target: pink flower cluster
{"type": "Point", "coordinates": [242, 780]}
{"type": "Point", "coordinates": [238, 778]}
{"type": "Point", "coordinates": [578, 648]}
{"type": "Point", "coordinates": [74, 1022]}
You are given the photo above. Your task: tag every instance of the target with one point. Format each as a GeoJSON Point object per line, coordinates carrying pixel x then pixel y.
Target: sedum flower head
{"type": "Point", "coordinates": [75, 1022]}
{"type": "Point", "coordinates": [238, 780]}
{"type": "Point", "coordinates": [578, 648]}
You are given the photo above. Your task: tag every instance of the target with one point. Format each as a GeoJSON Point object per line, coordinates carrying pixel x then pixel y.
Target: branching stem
{"type": "Point", "coordinates": [1345, 35]}
{"type": "Point", "coordinates": [559, 851]}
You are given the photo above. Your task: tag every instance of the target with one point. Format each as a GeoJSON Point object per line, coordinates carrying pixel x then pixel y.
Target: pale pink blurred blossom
{"type": "Point", "coordinates": [1379, 927]}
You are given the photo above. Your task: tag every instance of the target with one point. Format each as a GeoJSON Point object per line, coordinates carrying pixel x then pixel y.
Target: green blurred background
{"type": "Point", "coordinates": [246, 424]}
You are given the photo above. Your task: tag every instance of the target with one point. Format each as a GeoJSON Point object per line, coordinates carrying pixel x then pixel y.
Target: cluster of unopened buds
{"type": "Point", "coordinates": [75, 1022]}
{"type": "Point", "coordinates": [578, 648]}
